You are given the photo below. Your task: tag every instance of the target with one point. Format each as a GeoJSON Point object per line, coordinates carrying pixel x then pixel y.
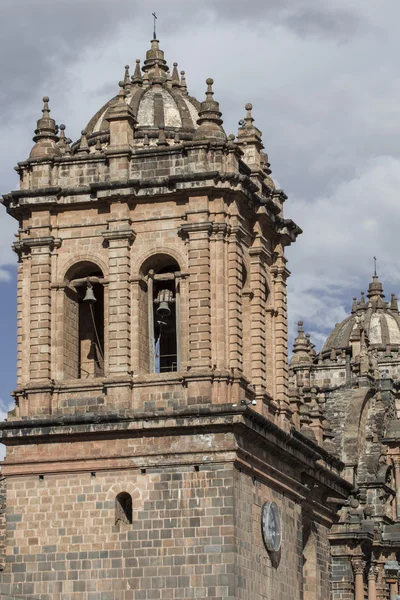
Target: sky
{"type": "Point", "coordinates": [324, 81]}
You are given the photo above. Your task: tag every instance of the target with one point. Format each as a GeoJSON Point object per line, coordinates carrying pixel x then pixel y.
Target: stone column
{"type": "Point", "coordinates": [235, 265]}
{"type": "Point", "coordinates": [372, 575]}
{"type": "Point", "coordinates": [358, 567]}
{"type": "Point", "coordinates": [39, 334]}
{"type": "Point", "coordinates": [396, 464]}
{"type": "Point", "coordinates": [198, 235]}
{"type": "Point", "coordinates": [259, 343]}
{"type": "Point", "coordinates": [118, 320]}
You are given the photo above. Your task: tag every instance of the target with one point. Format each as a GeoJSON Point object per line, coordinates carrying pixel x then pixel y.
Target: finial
{"type": "Point", "coordinates": [46, 139]}
{"type": "Point", "coordinates": [248, 120]}
{"type": "Point", "coordinates": [209, 92]}
{"type": "Point", "coordinates": [301, 347]}
{"type": "Point", "coordinates": [98, 146]}
{"type": "Point", "coordinates": [45, 109]}
{"type": "Point", "coordinates": [354, 305]}
{"type": "Point", "coordinates": [375, 266]}
{"type": "Point", "coordinates": [154, 28]}
{"type": "Point", "coordinates": [177, 139]}
{"type": "Point", "coordinates": [393, 303]}
{"type": "Point", "coordinates": [83, 145]}
{"type": "Point", "coordinates": [157, 73]}
{"type": "Point", "coordinates": [127, 79]}
{"type": "Point", "coordinates": [62, 143]}
{"type": "Point", "coordinates": [175, 76]}
{"type": "Point", "coordinates": [137, 76]}
{"type": "Point", "coordinates": [122, 92]}
{"type": "Point", "coordinates": [162, 140]}
{"type": "Point", "coordinates": [210, 118]}
{"type": "Point", "coordinates": [183, 83]}
{"type": "Point", "coordinates": [146, 141]}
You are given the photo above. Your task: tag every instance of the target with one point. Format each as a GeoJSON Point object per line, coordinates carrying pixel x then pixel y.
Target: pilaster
{"type": "Point", "coordinates": [119, 299]}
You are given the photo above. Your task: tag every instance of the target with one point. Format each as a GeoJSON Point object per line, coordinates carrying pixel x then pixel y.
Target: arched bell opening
{"type": "Point", "coordinates": [162, 274]}
{"type": "Point", "coordinates": [84, 322]}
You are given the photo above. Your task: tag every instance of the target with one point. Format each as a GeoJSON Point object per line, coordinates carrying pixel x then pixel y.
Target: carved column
{"type": "Point", "coordinates": [358, 568]}
{"type": "Point", "coordinates": [119, 301]}
{"type": "Point", "coordinates": [235, 265]}
{"type": "Point", "coordinates": [258, 320]}
{"type": "Point", "coordinates": [198, 235]}
{"type": "Point", "coordinates": [396, 464]}
{"type": "Point", "coordinates": [372, 575]}
{"type": "Point", "coordinates": [38, 335]}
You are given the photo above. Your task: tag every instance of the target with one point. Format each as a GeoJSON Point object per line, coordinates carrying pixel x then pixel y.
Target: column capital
{"type": "Point", "coordinates": [358, 565]}
{"type": "Point", "coordinates": [373, 572]}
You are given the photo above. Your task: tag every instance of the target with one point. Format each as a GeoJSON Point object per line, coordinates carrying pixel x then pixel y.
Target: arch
{"type": "Point", "coordinates": [141, 260]}
{"type": "Point", "coordinates": [93, 259]}
{"type": "Point", "coordinates": [159, 262]}
{"type": "Point", "coordinates": [83, 268]}
{"type": "Point", "coordinates": [123, 508]}
{"type": "Point", "coordinates": [83, 321]}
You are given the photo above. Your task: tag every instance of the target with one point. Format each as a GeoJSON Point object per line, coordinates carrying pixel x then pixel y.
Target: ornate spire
{"type": "Point", "coordinates": [183, 83]}
{"type": "Point", "coordinates": [153, 55]}
{"type": "Point", "coordinates": [375, 289]}
{"type": "Point", "coordinates": [354, 305]}
{"type": "Point", "coordinates": [175, 76]}
{"type": "Point", "coordinates": [301, 348]}
{"type": "Point", "coordinates": [45, 135]}
{"type": "Point", "coordinates": [162, 140]}
{"type": "Point", "coordinates": [394, 304]}
{"type": "Point", "coordinates": [127, 80]}
{"type": "Point", "coordinates": [83, 144]}
{"type": "Point", "coordinates": [210, 118]}
{"type": "Point", "coordinates": [61, 142]}
{"type": "Point", "coordinates": [137, 76]}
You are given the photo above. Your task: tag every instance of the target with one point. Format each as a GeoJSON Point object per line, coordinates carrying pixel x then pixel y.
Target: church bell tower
{"type": "Point", "coordinates": [151, 421]}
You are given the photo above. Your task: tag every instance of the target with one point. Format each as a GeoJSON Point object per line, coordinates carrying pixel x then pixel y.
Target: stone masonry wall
{"type": "Point", "coordinates": [63, 541]}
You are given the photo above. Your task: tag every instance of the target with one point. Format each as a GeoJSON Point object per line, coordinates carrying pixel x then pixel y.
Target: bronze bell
{"type": "Point", "coordinates": [163, 310]}
{"type": "Point", "coordinates": [89, 296]}
{"type": "Point", "coordinates": [164, 299]}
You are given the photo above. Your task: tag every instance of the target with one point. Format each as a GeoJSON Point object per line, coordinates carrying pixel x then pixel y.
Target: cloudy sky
{"type": "Point", "coordinates": [325, 84]}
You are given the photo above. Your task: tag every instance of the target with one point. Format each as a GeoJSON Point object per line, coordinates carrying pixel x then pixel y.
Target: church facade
{"type": "Point", "coordinates": [161, 446]}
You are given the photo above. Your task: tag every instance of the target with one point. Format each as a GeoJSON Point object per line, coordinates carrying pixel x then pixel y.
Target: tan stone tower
{"type": "Point", "coordinates": [152, 422]}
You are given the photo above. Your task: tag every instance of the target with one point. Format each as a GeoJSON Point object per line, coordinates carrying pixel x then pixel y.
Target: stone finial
{"type": "Point", "coordinates": [210, 118]}
{"type": "Point", "coordinates": [375, 289]}
{"type": "Point", "coordinates": [162, 140]}
{"type": "Point", "coordinates": [158, 78]}
{"type": "Point", "coordinates": [62, 140]}
{"type": "Point", "coordinates": [153, 56]}
{"type": "Point", "coordinates": [301, 348]}
{"type": "Point", "coordinates": [183, 84]}
{"type": "Point", "coordinates": [175, 76]}
{"type": "Point", "coordinates": [393, 303]}
{"type": "Point", "coordinates": [98, 146]}
{"type": "Point", "coordinates": [177, 139]}
{"type": "Point", "coordinates": [83, 144]}
{"type": "Point", "coordinates": [146, 141]}
{"type": "Point", "coordinates": [362, 304]}
{"type": "Point", "coordinates": [122, 92]}
{"type": "Point", "coordinates": [45, 135]}
{"type": "Point", "coordinates": [248, 120]}
{"type": "Point", "coordinates": [354, 305]}
{"type": "Point", "coordinates": [137, 76]}
{"type": "Point", "coordinates": [333, 356]}
{"type": "Point", "coordinates": [127, 80]}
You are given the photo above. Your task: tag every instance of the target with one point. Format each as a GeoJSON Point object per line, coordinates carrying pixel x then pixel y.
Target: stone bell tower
{"type": "Point", "coordinates": [151, 418]}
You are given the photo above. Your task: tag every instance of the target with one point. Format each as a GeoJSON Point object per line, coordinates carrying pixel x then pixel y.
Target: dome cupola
{"type": "Point", "coordinates": [159, 101]}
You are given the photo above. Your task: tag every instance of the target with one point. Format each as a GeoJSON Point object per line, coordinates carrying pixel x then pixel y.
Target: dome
{"type": "Point", "coordinates": [158, 99]}
{"type": "Point", "coordinates": [380, 321]}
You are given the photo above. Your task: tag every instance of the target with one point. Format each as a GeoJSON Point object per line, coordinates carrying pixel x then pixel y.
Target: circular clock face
{"type": "Point", "coordinates": [271, 526]}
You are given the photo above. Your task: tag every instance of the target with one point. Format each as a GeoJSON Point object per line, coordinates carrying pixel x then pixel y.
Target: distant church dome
{"type": "Point", "coordinates": [158, 99]}
{"type": "Point", "coordinates": [380, 321]}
